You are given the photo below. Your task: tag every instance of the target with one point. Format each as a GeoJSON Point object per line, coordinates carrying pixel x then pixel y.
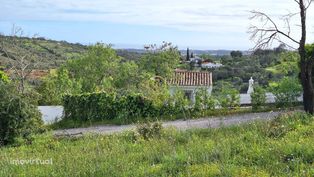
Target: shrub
{"type": "Point", "coordinates": [286, 123]}
{"type": "Point", "coordinates": [93, 106]}
{"type": "Point", "coordinates": [56, 85]}
{"type": "Point", "coordinates": [176, 104]}
{"type": "Point", "coordinates": [204, 101]}
{"type": "Point", "coordinates": [104, 106]}
{"type": "Point", "coordinates": [135, 105]}
{"type": "Point", "coordinates": [19, 117]}
{"type": "Point", "coordinates": [228, 96]}
{"type": "Point", "coordinates": [149, 130]}
{"type": "Point", "coordinates": [287, 92]}
{"type": "Point", "coordinates": [258, 98]}
{"type": "Point", "coordinates": [100, 106]}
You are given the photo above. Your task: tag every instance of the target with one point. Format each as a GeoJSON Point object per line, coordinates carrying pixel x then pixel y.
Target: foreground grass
{"type": "Point", "coordinates": [283, 147]}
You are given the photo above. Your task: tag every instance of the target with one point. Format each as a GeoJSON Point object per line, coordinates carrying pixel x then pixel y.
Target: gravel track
{"type": "Point", "coordinates": [209, 122]}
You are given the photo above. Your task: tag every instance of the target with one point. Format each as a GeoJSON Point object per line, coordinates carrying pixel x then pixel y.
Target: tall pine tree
{"type": "Point", "coordinates": [187, 54]}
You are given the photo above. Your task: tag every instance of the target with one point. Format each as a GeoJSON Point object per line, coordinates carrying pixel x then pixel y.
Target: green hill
{"type": "Point", "coordinates": [49, 53]}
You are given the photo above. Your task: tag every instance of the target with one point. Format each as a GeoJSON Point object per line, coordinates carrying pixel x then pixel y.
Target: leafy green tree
{"type": "Point", "coordinates": [199, 102]}
{"type": "Point", "coordinates": [178, 103]}
{"type": "Point", "coordinates": [287, 91]}
{"type": "Point", "coordinates": [102, 70]}
{"type": "Point", "coordinates": [204, 100]}
{"type": "Point", "coordinates": [154, 89]}
{"type": "Point", "coordinates": [97, 69]}
{"type": "Point", "coordinates": [129, 77]}
{"type": "Point", "coordinates": [258, 97]}
{"type": "Point", "coordinates": [236, 54]}
{"type": "Point", "coordinates": [160, 61]}
{"type": "Point", "coordinates": [56, 85]}
{"type": "Point", "coordinates": [227, 95]}
{"type": "Point", "coordinates": [288, 64]}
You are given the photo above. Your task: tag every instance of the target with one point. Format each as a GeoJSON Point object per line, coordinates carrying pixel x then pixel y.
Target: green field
{"type": "Point", "coordinates": [282, 147]}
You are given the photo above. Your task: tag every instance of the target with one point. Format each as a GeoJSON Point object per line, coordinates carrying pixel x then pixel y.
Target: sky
{"type": "Point", "coordinates": [197, 24]}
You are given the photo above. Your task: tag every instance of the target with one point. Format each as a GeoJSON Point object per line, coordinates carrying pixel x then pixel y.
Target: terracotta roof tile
{"type": "Point", "coordinates": [191, 78]}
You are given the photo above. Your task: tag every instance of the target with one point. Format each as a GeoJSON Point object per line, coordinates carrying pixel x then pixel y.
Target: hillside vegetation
{"type": "Point", "coordinates": [282, 147]}
{"type": "Point", "coordinates": [49, 53]}
{"type": "Point", "coordinates": [99, 67]}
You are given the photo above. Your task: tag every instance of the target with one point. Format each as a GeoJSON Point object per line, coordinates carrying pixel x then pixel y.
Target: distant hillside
{"type": "Point", "coordinates": [196, 52]}
{"type": "Point", "coordinates": [212, 52]}
{"type": "Point", "coordinates": [50, 53]}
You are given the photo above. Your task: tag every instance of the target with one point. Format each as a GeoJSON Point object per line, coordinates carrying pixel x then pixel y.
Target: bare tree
{"type": "Point", "coordinates": [268, 32]}
{"type": "Point", "coordinates": [22, 60]}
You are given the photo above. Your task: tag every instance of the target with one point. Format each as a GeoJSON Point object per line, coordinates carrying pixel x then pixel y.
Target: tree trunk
{"type": "Point", "coordinates": [306, 65]}
{"type": "Point", "coordinates": [306, 81]}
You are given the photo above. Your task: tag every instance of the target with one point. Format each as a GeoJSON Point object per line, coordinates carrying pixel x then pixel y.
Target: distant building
{"type": "Point", "coordinates": [190, 82]}
{"type": "Point", "coordinates": [196, 59]}
{"type": "Point", "coordinates": [197, 63]}
{"type": "Point", "coordinates": [211, 65]}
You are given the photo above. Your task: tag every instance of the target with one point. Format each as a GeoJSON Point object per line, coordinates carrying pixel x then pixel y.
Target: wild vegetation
{"type": "Point", "coordinates": [101, 69]}
{"type": "Point", "coordinates": [76, 84]}
{"type": "Point", "coordinates": [287, 92]}
{"type": "Point", "coordinates": [104, 108]}
{"type": "Point", "coordinates": [19, 116]}
{"type": "Point", "coordinates": [282, 147]}
{"type": "Point", "coordinates": [97, 84]}
{"type": "Point", "coordinates": [268, 30]}
{"type": "Point", "coordinates": [51, 54]}
{"type": "Point", "coordinates": [265, 66]}
{"type": "Point", "coordinates": [132, 73]}
{"type": "Point", "coordinates": [258, 98]}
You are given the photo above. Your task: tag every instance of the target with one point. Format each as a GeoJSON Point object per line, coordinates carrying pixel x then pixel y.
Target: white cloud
{"type": "Point", "coordinates": [224, 16]}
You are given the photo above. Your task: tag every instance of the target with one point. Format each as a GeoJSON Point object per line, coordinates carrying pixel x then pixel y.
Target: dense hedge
{"type": "Point", "coordinates": [105, 106]}
{"type": "Point", "coordinates": [98, 106]}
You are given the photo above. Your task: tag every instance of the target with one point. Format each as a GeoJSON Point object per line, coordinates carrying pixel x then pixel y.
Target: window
{"type": "Point", "coordinates": [188, 94]}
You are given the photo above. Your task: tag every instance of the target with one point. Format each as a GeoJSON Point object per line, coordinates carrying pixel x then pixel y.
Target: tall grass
{"type": "Point", "coordinates": [282, 147]}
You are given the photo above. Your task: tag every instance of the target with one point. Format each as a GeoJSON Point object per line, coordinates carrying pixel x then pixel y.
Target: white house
{"type": "Point", "coordinates": [190, 82]}
{"type": "Point", "coordinates": [197, 62]}
{"type": "Point", "coordinates": [211, 65]}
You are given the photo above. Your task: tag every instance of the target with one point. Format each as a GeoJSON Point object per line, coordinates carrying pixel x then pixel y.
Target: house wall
{"type": "Point", "coordinates": [192, 89]}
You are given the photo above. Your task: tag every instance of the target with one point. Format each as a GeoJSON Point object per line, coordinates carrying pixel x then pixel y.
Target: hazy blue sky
{"type": "Point", "coordinates": [198, 24]}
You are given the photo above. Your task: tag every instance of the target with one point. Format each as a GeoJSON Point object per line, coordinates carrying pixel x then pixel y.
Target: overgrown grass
{"type": "Point", "coordinates": [282, 147]}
